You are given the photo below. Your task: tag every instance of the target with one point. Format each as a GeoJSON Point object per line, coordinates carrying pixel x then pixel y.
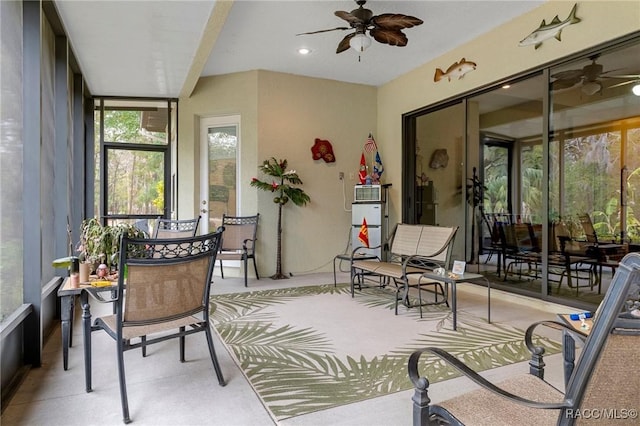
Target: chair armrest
{"type": "Point", "coordinates": [418, 261]}
{"type": "Point", "coordinates": [528, 336]}
{"type": "Point", "coordinates": [97, 294]}
{"type": "Point", "coordinates": [422, 383]}
{"type": "Point", "coordinates": [536, 365]}
{"type": "Point", "coordinates": [357, 250]}
{"type": "Point", "coordinates": [246, 240]}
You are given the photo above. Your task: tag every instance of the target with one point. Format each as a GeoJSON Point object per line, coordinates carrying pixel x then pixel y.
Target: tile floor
{"type": "Point", "coordinates": [164, 392]}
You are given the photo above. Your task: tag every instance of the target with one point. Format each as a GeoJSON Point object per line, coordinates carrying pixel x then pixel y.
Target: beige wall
{"type": "Point", "coordinates": [282, 114]}
{"type": "Point", "coordinates": [217, 96]}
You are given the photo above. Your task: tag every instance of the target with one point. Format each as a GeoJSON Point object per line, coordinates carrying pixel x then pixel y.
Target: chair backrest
{"type": "Point", "coordinates": [606, 374]}
{"type": "Point", "coordinates": [432, 242]}
{"type": "Point", "coordinates": [166, 279]}
{"type": "Point", "coordinates": [587, 226]}
{"type": "Point", "coordinates": [536, 236]}
{"type": "Point", "coordinates": [523, 236]}
{"type": "Point", "coordinates": [558, 236]}
{"type": "Point", "coordinates": [492, 222]}
{"type": "Point", "coordinates": [239, 231]}
{"type": "Point", "coordinates": [171, 228]}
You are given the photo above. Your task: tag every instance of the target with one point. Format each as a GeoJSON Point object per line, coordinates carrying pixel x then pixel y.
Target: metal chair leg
{"type": "Point", "coordinates": [182, 339]}
{"type": "Point", "coordinates": [214, 358]}
{"type": "Point", "coordinates": [255, 267]}
{"type": "Point", "coordinates": [123, 386]}
{"type": "Point", "coordinates": [245, 261]}
{"type": "Point", "coordinates": [221, 270]}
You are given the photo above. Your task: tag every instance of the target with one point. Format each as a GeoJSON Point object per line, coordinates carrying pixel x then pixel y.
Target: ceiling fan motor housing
{"type": "Point", "coordinates": [592, 71]}
{"type": "Point", "coordinates": [364, 15]}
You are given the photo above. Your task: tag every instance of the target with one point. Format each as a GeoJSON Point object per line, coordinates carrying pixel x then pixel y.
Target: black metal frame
{"type": "Point", "coordinates": [179, 226]}
{"type": "Point", "coordinates": [247, 251]}
{"type": "Point", "coordinates": [150, 252]}
{"type": "Point", "coordinates": [609, 321]}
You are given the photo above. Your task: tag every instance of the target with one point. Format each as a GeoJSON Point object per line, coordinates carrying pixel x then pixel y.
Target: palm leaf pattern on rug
{"type": "Point", "coordinates": [295, 370]}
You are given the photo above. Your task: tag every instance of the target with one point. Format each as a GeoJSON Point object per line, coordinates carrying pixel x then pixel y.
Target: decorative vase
{"type": "Point", "coordinates": [85, 271]}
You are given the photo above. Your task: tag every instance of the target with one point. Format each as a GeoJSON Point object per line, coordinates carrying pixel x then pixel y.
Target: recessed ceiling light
{"type": "Point", "coordinates": [506, 86]}
{"type": "Point", "coordinates": [304, 51]}
{"type": "Point", "coordinates": [636, 90]}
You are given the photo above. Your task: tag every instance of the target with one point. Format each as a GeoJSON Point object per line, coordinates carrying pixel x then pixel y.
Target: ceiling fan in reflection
{"type": "Point", "coordinates": [591, 78]}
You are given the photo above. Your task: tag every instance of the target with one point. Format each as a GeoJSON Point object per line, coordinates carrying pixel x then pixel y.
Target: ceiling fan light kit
{"type": "Point", "coordinates": [360, 43]}
{"type": "Point", "coordinates": [591, 88]}
{"type": "Point", "coordinates": [385, 28]}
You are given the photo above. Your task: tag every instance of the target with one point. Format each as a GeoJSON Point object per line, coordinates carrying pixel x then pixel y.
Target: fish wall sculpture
{"type": "Point", "coordinates": [551, 30]}
{"type": "Point", "coordinates": [457, 70]}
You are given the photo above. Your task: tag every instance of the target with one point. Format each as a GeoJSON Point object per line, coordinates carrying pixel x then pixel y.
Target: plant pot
{"type": "Point", "coordinates": [85, 271]}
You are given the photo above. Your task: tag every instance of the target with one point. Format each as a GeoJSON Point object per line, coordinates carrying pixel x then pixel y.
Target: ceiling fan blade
{"type": "Point", "coordinates": [391, 37]}
{"type": "Point", "coordinates": [565, 83]}
{"type": "Point", "coordinates": [324, 31]}
{"type": "Point", "coordinates": [344, 43]}
{"type": "Point", "coordinates": [624, 83]}
{"type": "Point", "coordinates": [347, 16]}
{"type": "Point", "coordinates": [622, 76]}
{"type": "Point", "coordinates": [395, 21]}
{"type": "Point", "coordinates": [568, 75]}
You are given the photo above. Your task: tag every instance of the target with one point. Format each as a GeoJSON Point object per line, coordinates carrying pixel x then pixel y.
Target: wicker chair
{"type": "Point", "coordinates": [171, 228]}
{"type": "Point", "coordinates": [167, 296]}
{"type": "Point", "coordinates": [238, 241]}
{"type": "Point", "coordinates": [602, 388]}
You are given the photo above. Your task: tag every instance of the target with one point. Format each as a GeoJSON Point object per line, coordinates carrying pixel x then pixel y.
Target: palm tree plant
{"type": "Point", "coordinates": [282, 187]}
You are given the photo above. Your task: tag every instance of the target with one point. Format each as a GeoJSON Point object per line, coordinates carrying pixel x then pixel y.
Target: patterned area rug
{"type": "Point", "coordinates": [311, 348]}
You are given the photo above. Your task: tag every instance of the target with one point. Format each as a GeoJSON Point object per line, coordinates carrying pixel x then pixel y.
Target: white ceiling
{"type": "Point", "coordinates": [152, 48]}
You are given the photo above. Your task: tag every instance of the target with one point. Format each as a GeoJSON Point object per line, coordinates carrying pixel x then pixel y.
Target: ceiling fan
{"type": "Point", "coordinates": [590, 78]}
{"type": "Point", "coordinates": [385, 28]}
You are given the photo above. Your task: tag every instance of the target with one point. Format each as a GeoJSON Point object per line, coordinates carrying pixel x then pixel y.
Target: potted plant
{"type": "Point", "coordinates": [117, 232]}
{"type": "Point", "coordinates": [100, 244]}
{"type": "Point", "coordinates": [91, 246]}
{"type": "Point", "coordinates": [284, 191]}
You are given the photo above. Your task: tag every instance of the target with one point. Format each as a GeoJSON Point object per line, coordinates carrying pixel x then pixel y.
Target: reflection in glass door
{"type": "Point", "coordinates": [567, 172]}
{"type": "Point", "coordinates": [220, 142]}
{"type": "Point", "coordinates": [592, 163]}
{"type": "Point", "coordinates": [503, 127]}
{"type": "Point", "coordinates": [496, 168]}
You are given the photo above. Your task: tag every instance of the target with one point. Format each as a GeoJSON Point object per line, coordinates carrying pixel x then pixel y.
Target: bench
{"type": "Point", "coordinates": [413, 250]}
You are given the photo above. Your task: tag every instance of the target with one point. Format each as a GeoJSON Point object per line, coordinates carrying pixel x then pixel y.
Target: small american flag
{"type": "Point", "coordinates": [370, 144]}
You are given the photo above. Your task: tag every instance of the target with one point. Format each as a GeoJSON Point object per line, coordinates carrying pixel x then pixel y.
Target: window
{"type": "Point", "coordinates": [133, 161]}
{"type": "Point", "coordinates": [11, 104]}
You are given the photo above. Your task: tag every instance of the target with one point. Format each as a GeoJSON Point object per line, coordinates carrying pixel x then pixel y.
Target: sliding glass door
{"type": "Point", "coordinates": [549, 179]}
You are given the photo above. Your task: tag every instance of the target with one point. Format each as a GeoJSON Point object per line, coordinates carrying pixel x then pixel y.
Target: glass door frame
{"type": "Point", "coordinates": [205, 124]}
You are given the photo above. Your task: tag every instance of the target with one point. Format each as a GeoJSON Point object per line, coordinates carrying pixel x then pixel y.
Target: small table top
{"type": "Point", "coordinates": [451, 277]}
{"type": "Point", "coordinates": [66, 289]}
{"type": "Point", "coordinates": [576, 325]}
